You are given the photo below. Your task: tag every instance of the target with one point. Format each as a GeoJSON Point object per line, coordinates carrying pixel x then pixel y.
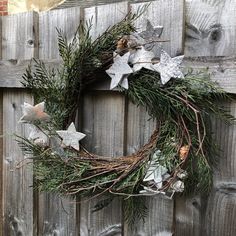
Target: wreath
{"type": "Point", "coordinates": [180, 152]}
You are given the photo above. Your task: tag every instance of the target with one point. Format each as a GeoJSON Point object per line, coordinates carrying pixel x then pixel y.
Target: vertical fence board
{"type": "Point", "coordinates": [139, 130]}
{"type": "Point", "coordinates": [106, 221]}
{"type": "Point", "coordinates": [56, 216]}
{"type": "Point", "coordinates": [103, 122]}
{"type": "Point", "coordinates": [170, 15]}
{"type": "Point", "coordinates": [210, 28]}
{"type": "Point", "coordinates": [18, 36]}
{"type": "Point", "coordinates": [17, 193]}
{"type": "Point", "coordinates": [105, 16]}
{"type": "Point", "coordinates": [221, 205]}
{"type": "Point", "coordinates": [18, 41]}
{"type": "Point", "coordinates": [65, 19]}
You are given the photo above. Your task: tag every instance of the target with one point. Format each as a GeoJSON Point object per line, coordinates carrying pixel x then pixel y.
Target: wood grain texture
{"type": "Point", "coordinates": [66, 20]}
{"type": "Point", "coordinates": [103, 123]}
{"type": "Point", "coordinates": [17, 193]}
{"type": "Point", "coordinates": [170, 15]}
{"type": "Point", "coordinates": [139, 130]}
{"type": "Point", "coordinates": [210, 28]}
{"type": "Point", "coordinates": [19, 42]}
{"type": "Point", "coordinates": [105, 16]}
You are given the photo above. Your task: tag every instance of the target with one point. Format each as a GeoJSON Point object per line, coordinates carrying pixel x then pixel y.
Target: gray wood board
{"type": "Point", "coordinates": [55, 215]}
{"type": "Point", "coordinates": [220, 215]}
{"type": "Point", "coordinates": [109, 130]}
{"type": "Point", "coordinates": [139, 130]}
{"type": "Point", "coordinates": [21, 41]}
{"type": "Point", "coordinates": [103, 123]}
{"type": "Point", "coordinates": [66, 20]}
{"type": "Point", "coordinates": [17, 193]}
{"type": "Point", "coordinates": [210, 28]}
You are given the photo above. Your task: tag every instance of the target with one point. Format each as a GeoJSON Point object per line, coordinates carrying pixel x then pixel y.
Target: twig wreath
{"type": "Point", "coordinates": [180, 152]}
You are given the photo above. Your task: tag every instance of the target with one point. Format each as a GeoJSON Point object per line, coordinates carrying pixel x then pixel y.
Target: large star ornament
{"type": "Point", "coordinates": [141, 58]}
{"type": "Point", "coordinates": [168, 67]}
{"type": "Point", "coordinates": [33, 113]}
{"type": "Point", "coordinates": [70, 137]}
{"type": "Point", "coordinates": [119, 71]}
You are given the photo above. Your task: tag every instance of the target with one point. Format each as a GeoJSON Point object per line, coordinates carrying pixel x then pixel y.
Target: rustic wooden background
{"type": "Point", "coordinates": [203, 30]}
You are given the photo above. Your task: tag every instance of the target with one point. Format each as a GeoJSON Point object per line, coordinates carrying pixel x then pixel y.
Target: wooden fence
{"type": "Point", "coordinates": [205, 31]}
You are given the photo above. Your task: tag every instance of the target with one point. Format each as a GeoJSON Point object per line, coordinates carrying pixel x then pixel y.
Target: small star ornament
{"type": "Point", "coordinates": [119, 71]}
{"type": "Point", "coordinates": [33, 113]}
{"type": "Point", "coordinates": [141, 58]}
{"type": "Point", "coordinates": [70, 137]}
{"type": "Point", "coordinates": [168, 67]}
{"type": "Point", "coordinates": [150, 35]}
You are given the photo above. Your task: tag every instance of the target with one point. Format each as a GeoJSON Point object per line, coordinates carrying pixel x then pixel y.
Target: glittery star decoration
{"type": "Point", "coordinates": [38, 137]}
{"type": "Point", "coordinates": [33, 113]}
{"type": "Point", "coordinates": [150, 35]}
{"type": "Point", "coordinates": [119, 71]}
{"type": "Point", "coordinates": [70, 137]}
{"type": "Point", "coordinates": [141, 58]}
{"type": "Point", "coordinates": [168, 67]}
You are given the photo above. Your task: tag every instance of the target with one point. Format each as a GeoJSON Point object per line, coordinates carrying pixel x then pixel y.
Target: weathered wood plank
{"type": "Point", "coordinates": [139, 130]}
{"type": "Point", "coordinates": [220, 216]}
{"type": "Point", "coordinates": [104, 16]}
{"type": "Point", "coordinates": [106, 221]}
{"type": "Point", "coordinates": [222, 71]}
{"type": "Point", "coordinates": [189, 216]}
{"type": "Point", "coordinates": [66, 20]}
{"type": "Point", "coordinates": [19, 42]}
{"type": "Point", "coordinates": [211, 28]}
{"type": "Point", "coordinates": [17, 193]}
{"type": "Point", "coordinates": [170, 15]}
{"type": "Point", "coordinates": [56, 216]}
{"type": "Point", "coordinates": [103, 123]}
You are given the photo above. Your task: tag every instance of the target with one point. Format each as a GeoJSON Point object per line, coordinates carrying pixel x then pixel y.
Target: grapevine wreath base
{"type": "Point", "coordinates": [180, 152]}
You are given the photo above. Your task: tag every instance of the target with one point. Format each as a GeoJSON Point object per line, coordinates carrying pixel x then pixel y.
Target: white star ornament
{"type": "Point", "coordinates": [119, 71]}
{"type": "Point", "coordinates": [168, 67]}
{"type": "Point", "coordinates": [33, 113]}
{"type": "Point", "coordinates": [142, 58]}
{"type": "Point", "coordinates": [70, 137]}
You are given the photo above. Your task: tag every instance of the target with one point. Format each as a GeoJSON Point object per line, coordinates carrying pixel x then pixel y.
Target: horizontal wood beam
{"type": "Point", "coordinates": [224, 72]}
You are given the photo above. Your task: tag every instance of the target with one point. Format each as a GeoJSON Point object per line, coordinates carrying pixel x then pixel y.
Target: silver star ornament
{"type": "Point", "coordinates": [168, 67]}
{"type": "Point", "coordinates": [119, 71]}
{"type": "Point", "coordinates": [70, 137]}
{"type": "Point", "coordinates": [141, 58]}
